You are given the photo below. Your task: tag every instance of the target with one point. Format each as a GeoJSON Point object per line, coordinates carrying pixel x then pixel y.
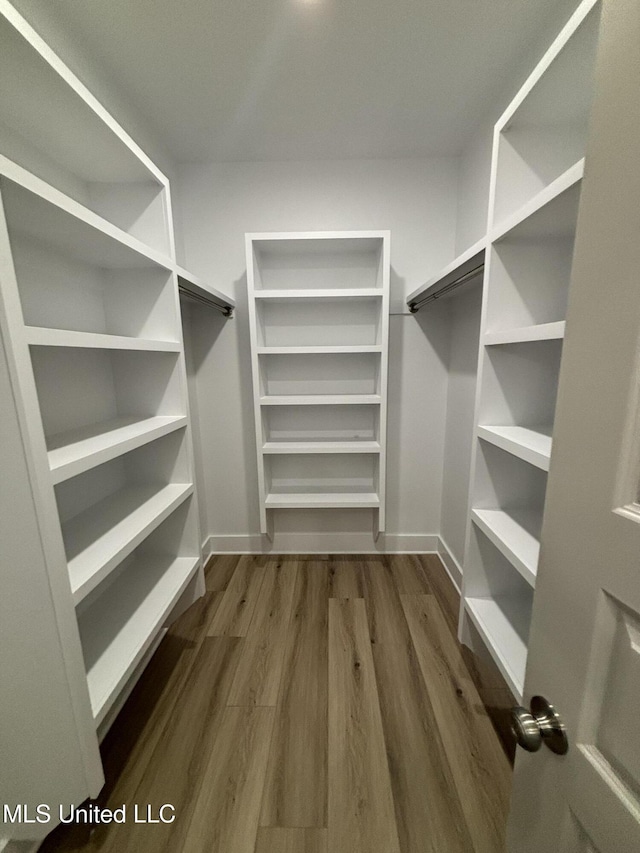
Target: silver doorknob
{"type": "Point", "coordinates": [542, 724]}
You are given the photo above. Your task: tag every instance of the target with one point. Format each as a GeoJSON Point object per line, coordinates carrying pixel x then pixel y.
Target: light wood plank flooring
{"type": "Point", "coordinates": [308, 704]}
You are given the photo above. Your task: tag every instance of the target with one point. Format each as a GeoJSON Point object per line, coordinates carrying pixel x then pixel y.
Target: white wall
{"type": "Point", "coordinates": [416, 199]}
{"type": "Point", "coordinates": [474, 173]}
{"type": "Point", "coordinates": [463, 367]}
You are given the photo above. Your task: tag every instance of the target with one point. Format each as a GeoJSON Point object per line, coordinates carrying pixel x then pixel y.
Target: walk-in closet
{"type": "Point", "coordinates": [319, 441]}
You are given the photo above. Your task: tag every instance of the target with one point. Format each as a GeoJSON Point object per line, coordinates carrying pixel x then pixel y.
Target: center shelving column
{"type": "Point", "coordinates": [319, 317]}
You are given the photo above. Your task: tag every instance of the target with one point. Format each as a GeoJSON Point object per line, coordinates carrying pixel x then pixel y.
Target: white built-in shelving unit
{"type": "Point", "coordinates": [537, 170]}
{"type": "Point", "coordinates": [91, 328]}
{"type": "Point", "coordinates": [319, 315]}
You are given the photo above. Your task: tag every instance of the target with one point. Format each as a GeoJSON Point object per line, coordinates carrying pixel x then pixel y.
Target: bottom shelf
{"type": "Point", "coordinates": [119, 626]}
{"type": "Point", "coordinates": [503, 624]}
{"type": "Point", "coordinates": [126, 691]}
{"type": "Point", "coordinates": [322, 501]}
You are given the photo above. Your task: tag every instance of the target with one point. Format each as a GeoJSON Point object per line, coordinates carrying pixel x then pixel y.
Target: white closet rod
{"type": "Point", "coordinates": [201, 292]}
{"type": "Point", "coordinates": [414, 307]}
{"type": "Point", "coordinates": [227, 310]}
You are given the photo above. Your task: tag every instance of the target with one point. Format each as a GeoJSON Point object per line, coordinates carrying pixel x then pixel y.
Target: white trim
{"type": "Point", "coordinates": [452, 566]}
{"type": "Point", "coordinates": [205, 552]}
{"type": "Point", "coordinates": [323, 543]}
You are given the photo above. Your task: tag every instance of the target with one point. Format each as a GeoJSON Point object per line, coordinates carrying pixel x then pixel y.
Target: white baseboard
{"type": "Point", "coordinates": [453, 567]}
{"type": "Point", "coordinates": [204, 549]}
{"type": "Point", "coordinates": [324, 543]}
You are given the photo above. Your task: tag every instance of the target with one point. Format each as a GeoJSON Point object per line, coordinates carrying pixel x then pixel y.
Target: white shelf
{"type": "Point", "coordinates": [126, 691]}
{"type": "Point", "coordinates": [323, 501]}
{"type": "Point", "coordinates": [533, 444]}
{"type": "Point", "coordinates": [328, 294]}
{"type": "Point", "coordinates": [321, 400]}
{"type": "Point", "coordinates": [510, 531]}
{"type": "Point", "coordinates": [316, 350]}
{"type": "Point", "coordinates": [463, 265]}
{"type": "Point", "coordinates": [502, 622]}
{"type": "Point", "coordinates": [541, 332]}
{"type": "Point", "coordinates": [321, 447]}
{"type": "Point", "coordinates": [73, 452]}
{"type": "Point", "coordinates": [38, 336]}
{"type": "Point", "coordinates": [540, 226]}
{"type": "Point", "coordinates": [118, 628]}
{"type": "Point", "coordinates": [99, 538]}
{"type": "Point", "coordinates": [34, 208]}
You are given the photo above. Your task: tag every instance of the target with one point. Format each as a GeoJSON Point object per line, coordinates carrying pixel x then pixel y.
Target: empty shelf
{"type": "Point", "coordinates": [558, 217]}
{"type": "Point", "coordinates": [320, 400]}
{"type": "Point", "coordinates": [328, 294]}
{"type": "Point", "coordinates": [99, 538]}
{"type": "Point", "coordinates": [317, 349]}
{"type": "Point", "coordinates": [510, 531]}
{"type": "Point", "coordinates": [73, 452]}
{"type": "Point", "coordinates": [38, 336]}
{"type": "Point", "coordinates": [118, 628]}
{"type": "Point", "coordinates": [533, 444]}
{"type": "Point", "coordinates": [541, 332]}
{"type": "Point", "coordinates": [323, 501]}
{"type": "Point", "coordinates": [34, 208]}
{"type": "Point", "coordinates": [503, 624]}
{"type": "Point", "coordinates": [321, 447]}
{"type": "Point", "coordinates": [109, 718]}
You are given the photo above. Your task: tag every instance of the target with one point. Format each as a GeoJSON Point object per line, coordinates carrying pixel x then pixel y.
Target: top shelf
{"type": "Point", "coordinates": [320, 242]}
{"type": "Point", "coordinates": [41, 213]}
{"type": "Point", "coordinates": [52, 126]}
{"type": "Point", "coordinates": [320, 263]}
{"type": "Point", "coordinates": [544, 130]}
{"type": "Point", "coordinates": [466, 267]}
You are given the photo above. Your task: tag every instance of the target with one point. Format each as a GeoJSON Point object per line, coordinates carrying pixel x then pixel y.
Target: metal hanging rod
{"type": "Point", "coordinates": [226, 310]}
{"type": "Point", "coordinates": [414, 307]}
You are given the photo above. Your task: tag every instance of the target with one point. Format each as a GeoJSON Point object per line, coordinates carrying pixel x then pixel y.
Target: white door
{"type": "Point", "coordinates": [585, 636]}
